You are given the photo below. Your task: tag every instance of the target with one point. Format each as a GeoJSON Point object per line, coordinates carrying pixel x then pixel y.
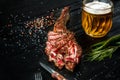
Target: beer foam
{"type": "Point", "coordinates": [97, 7]}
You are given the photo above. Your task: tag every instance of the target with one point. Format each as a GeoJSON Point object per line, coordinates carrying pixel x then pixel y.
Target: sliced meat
{"type": "Point", "coordinates": [61, 47]}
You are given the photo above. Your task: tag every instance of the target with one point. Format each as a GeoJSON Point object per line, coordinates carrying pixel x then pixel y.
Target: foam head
{"type": "Point", "coordinates": [97, 7]}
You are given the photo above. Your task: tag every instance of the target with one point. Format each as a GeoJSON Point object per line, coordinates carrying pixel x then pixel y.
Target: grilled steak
{"type": "Point", "coordinates": [61, 47]}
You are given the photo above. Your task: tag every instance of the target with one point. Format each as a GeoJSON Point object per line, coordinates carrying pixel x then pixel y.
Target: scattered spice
{"type": "Point", "coordinates": [9, 25]}
{"type": "Point", "coordinates": [42, 21]}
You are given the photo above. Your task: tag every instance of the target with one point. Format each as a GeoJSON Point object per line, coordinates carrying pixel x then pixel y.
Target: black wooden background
{"type": "Point", "coordinates": [20, 54]}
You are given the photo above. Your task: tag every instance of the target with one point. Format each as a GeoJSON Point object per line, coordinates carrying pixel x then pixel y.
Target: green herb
{"type": "Point", "coordinates": [103, 49]}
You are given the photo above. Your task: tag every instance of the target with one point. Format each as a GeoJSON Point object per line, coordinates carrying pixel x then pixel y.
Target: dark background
{"type": "Point", "coordinates": [20, 54]}
{"type": "Point", "coordinates": [30, 8]}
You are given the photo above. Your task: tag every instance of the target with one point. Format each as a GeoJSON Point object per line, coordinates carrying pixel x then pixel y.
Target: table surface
{"type": "Point", "coordinates": [20, 54]}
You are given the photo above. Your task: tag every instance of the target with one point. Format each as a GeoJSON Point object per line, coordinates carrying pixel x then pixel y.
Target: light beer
{"type": "Point", "coordinates": [97, 18]}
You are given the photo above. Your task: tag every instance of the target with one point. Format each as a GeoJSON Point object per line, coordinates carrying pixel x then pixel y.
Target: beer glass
{"type": "Point", "coordinates": [97, 17]}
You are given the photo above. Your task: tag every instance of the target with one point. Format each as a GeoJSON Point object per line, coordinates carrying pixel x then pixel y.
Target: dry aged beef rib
{"type": "Point", "coordinates": [61, 47]}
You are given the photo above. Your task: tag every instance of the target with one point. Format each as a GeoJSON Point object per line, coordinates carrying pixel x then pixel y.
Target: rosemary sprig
{"type": "Point", "coordinates": [103, 49]}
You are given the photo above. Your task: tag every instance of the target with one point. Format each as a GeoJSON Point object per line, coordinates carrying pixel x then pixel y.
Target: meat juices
{"type": "Point", "coordinates": [61, 47]}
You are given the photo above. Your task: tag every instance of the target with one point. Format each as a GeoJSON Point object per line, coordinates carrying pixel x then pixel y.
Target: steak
{"type": "Point", "coordinates": [61, 46]}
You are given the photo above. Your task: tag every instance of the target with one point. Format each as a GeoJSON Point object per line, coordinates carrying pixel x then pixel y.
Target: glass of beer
{"type": "Point", "coordinates": [97, 17]}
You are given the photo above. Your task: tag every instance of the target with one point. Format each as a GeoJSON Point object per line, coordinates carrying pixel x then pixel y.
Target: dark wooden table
{"type": "Point", "coordinates": [20, 54]}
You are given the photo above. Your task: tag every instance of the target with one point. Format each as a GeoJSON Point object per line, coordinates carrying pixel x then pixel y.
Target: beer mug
{"type": "Point", "coordinates": [97, 17]}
